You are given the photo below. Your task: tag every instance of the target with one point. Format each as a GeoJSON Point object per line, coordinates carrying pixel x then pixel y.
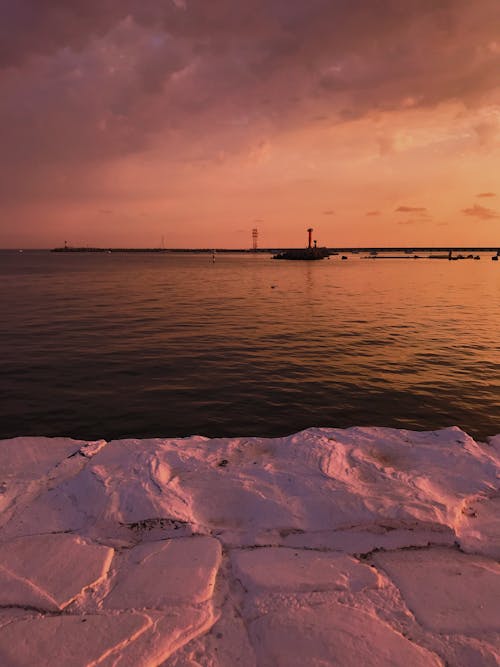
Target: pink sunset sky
{"type": "Point", "coordinates": [125, 121]}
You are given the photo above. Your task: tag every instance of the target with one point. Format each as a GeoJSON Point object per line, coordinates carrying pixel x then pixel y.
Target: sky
{"type": "Point", "coordinates": [188, 123]}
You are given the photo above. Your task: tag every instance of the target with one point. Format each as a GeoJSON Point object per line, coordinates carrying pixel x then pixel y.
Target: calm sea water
{"type": "Point", "coordinates": [143, 345]}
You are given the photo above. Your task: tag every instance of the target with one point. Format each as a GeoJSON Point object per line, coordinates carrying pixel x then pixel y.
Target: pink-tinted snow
{"type": "Point", "coordinates": [364, 546]}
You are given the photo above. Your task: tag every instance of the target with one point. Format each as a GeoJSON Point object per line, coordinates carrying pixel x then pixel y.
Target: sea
{"type": "Point", "coordinates": [99, 345]}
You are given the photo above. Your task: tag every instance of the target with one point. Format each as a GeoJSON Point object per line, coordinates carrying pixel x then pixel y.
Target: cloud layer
{"type": "Point", "coordinates": [87, 84]}
{"type": "Point", "coordinates": [96, 78]}
{"type": "Point", "coordinates": [411, 209]}
{"type": "Point", "coordinates": [481, 212]}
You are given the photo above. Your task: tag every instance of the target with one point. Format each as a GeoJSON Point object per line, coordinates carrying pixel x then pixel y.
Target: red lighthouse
{"type": "Point", "coordinates": [310, 231]}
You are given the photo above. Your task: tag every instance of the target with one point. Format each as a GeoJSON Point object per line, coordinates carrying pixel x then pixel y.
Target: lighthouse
{"type": "Point", "coordinates": [310, 231]}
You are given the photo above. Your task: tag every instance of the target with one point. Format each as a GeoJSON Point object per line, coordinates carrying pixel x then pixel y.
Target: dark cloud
{"type": "Point", "coordinates": [411, 209]}
{"type": "Point", "coordinates": [481, 212]}
{"type": "Point", "coordinates": [93, 80]}
{"type": "Point", "coordinates": [31, 27]}
{"type": "Point", "coordinates": [329, 212]}
{"type": "Point", "coordinates": [372, 213]}
{"type": "Point", "coordinates": [486, 194]}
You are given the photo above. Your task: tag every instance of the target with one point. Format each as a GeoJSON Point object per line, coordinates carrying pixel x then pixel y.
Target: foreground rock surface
{"type": "Point", "coordinates": [328, 547]}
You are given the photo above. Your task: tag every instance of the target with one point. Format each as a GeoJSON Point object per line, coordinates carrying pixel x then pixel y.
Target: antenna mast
{"type": "Point", "coordinates": [255, 236]}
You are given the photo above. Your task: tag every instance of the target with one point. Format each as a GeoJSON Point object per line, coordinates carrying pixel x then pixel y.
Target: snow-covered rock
{"type": "Point", "coordinates": [49, 571]}
{"type": "Point", "coordinates": [360, 546]}
{"type": "Point", "coordinates": [448, 591]}
{"type": "Point", "coordinates": [156, 574]}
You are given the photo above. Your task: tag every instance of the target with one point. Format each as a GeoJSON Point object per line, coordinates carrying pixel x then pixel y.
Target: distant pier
{"type": "Point", "coordinates": [409, 250]}
{"type": "Point", "coordinates": [76, 249]}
